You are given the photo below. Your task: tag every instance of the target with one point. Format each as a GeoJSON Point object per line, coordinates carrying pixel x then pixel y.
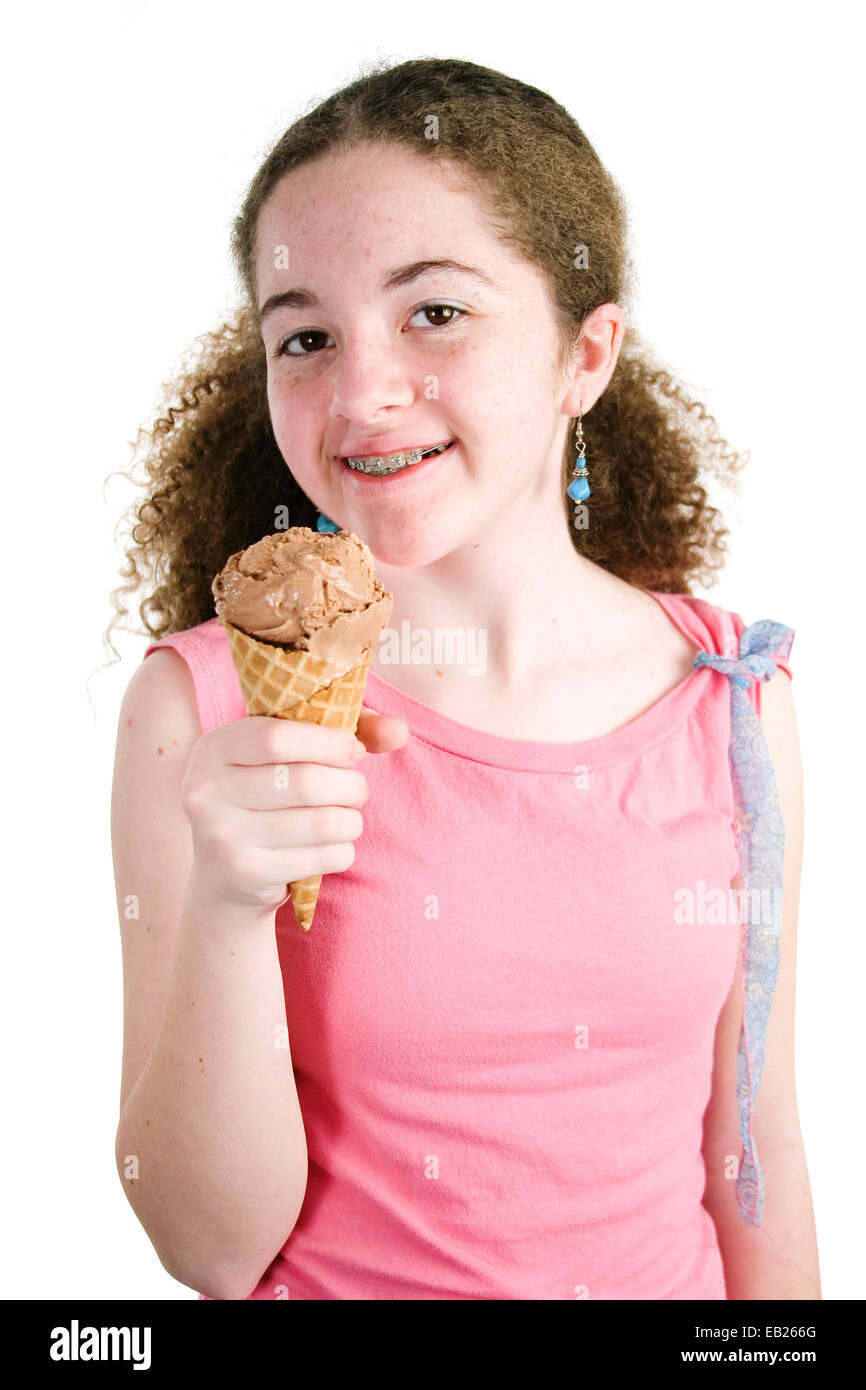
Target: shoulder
{"type": "Point", "coordinates": [709, 626]}
{"type": "Point", "coordinates": [160, 688]}
{"type": "Point", "coordinates": [157, 726]}
{"type": "Point", "coordinates": [205, 651]}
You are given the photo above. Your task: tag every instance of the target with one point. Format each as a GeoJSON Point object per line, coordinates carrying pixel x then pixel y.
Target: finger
{"type": "Point", "coordinates": [266, 739]}
{"type": "Point", "coordinates": [287, 865]}
{"type": "Point", "coordinates": [276, 785]}
{"type": "Point", "coordinates": [381, 733]}
{"type": "Point", "coordinates": [297, 826]}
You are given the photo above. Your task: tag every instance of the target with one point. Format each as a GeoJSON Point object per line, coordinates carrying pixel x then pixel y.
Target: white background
{"type": "Point", "coordinates": [132, 132]}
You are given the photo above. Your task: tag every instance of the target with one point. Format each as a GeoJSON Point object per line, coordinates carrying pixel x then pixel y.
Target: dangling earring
{"type": "Point", "coordinates": [578, 488]}
{"type": "Point", "coordinates": [324, 523]}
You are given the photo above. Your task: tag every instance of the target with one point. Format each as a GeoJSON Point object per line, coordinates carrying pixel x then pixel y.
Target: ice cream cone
{"type": "Point", "coordinates": [289, 684]}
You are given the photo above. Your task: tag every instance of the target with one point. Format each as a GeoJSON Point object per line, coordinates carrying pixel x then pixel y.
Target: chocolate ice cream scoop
{"type": "Point", "coordinates": [306, 590]}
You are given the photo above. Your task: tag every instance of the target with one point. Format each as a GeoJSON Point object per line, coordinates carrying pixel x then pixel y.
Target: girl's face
{"type": "Point", "coordinates": [372, 347]}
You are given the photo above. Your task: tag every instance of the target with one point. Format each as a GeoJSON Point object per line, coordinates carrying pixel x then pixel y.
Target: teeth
{"type": "Point", "coordinates": [378, 464]}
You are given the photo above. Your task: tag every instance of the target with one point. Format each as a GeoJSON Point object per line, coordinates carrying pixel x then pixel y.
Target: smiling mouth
{"type": "Point", "coordinates": [378, 464]}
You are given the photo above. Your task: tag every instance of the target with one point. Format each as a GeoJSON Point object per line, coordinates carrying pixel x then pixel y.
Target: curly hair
{"type": "Point", "coordinates": [212, 472]}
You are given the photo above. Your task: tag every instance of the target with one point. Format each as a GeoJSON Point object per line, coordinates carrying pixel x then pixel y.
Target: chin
{"type": "Point", "coordinates": [406, 552]}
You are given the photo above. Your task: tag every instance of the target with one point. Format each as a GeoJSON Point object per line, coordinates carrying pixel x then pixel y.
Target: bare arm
{"type": "Point", "coordinates": [210, 1146]}
{"type": "Point", "coordinates": [779, 1258]}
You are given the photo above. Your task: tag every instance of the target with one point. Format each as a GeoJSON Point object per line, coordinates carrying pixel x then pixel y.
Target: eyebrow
{"type": "Point", "coordinates": [395, 279]}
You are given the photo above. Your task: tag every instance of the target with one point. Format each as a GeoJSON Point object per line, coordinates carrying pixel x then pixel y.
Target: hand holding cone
{"type": "Point", "coordinates": [320, 590]}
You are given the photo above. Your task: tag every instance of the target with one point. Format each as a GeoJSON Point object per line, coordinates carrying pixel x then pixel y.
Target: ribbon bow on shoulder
{"type": "Point", "coordinates": [761, 843]}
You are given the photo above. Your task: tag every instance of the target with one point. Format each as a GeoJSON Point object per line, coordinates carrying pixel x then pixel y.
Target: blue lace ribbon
{"type": "Point", "coordinates": [761, 843]}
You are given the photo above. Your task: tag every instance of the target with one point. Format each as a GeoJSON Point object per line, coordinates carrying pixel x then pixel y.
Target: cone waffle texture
{"type": "Point", "coordinates": [291, 685]}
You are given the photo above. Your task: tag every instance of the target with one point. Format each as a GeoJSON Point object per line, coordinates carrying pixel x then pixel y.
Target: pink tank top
{"type": "Point", "coordinates": [501, 1029]}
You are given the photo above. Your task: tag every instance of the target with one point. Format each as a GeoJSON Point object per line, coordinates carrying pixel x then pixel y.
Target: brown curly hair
{"type": "Point", "coordinates": [212, 471]}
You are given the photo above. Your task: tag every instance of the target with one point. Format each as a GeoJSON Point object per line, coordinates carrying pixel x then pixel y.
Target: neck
{"type": "Point", "coordinates": [512, 601]}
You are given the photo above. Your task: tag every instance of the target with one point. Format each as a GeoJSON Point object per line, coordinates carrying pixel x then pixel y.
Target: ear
{"type": "Point", "coordinates": [593, 359]}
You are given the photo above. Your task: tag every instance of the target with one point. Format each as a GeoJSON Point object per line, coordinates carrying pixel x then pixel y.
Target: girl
{"type": "Point", "coordinates": [518, 1055]}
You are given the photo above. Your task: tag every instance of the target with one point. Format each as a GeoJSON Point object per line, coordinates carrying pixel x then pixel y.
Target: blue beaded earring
{"type": "Point", "coordinates": [325, 524]}
{"type": "Point", "coordinates": [578, 488]}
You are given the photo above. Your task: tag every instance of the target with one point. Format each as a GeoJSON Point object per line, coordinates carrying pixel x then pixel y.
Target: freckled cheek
{"type": "Point", "coordinates": [290, 438]}
{"type": "Point", "coordinates": [477, 375]}
{"type": "Point", "coordinates": [483, 394]}
{"type": "Point", "coordinates": [276, 404]}
{"type": "Point", "coordinates": [294, 416]}
{"type": "Point", "coordinates": [300, 420]}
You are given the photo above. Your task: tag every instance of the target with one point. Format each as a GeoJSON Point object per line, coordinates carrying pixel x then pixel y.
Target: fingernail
{"type": "Point", "coordinates": [358, 750]}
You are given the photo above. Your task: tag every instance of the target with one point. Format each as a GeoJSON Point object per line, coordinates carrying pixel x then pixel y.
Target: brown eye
{"type": "Point", "coordinates": [452, 313]}
{"type": "Point", "coordinates": [304, 337]}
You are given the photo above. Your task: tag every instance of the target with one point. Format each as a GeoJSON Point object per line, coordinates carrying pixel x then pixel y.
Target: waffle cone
{"type": "Point", "coordinates": [291, 685]}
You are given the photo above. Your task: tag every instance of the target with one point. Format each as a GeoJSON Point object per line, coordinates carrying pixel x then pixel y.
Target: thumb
{"type": "Point", "coordinates": [381, 733]}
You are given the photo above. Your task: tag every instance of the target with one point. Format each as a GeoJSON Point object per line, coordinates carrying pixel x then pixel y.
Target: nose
{"type": "Point", "coordinates": [371, 375]}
